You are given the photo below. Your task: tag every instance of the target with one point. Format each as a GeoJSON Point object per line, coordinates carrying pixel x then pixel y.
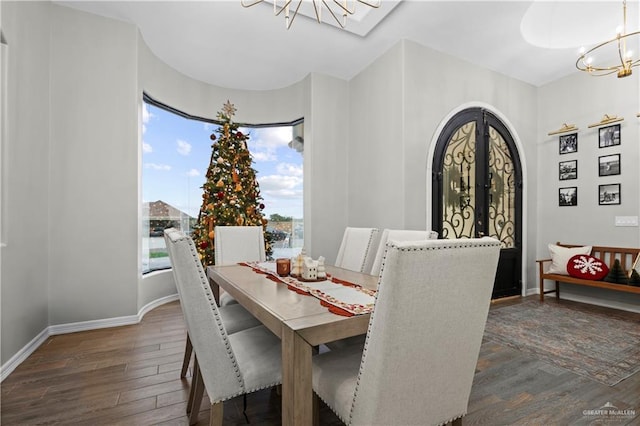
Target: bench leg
{"type": "Point", "coordinates": [557, 290]}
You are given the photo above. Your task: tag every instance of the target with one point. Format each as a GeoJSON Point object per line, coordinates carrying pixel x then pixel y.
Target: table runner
{"type": "Point", "coordinates": [339, 296]}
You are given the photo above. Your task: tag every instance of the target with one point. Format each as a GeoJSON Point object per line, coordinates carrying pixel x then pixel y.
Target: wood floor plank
{"type": "Point", "coordinates": [130, 376]}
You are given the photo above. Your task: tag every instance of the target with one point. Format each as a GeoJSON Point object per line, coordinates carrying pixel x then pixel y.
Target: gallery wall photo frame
{"type": "Point", "coordinates": [568, 196]}
{"type": "Point", "coordinates": [609, 165]}
{"type": "Point", "coordinates": [568, 170]}
{"type": "Point", "coordinates": [568, 144]}
{"type": "Point", "coordinates": [609, 194]}
{"type": "Point", "coordinates": [609, 136]}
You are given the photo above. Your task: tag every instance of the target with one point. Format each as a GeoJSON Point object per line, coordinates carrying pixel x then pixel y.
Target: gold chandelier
{"type": "Point", "coordinates": [336, 8]}
{"type": "Point", "coordinates": [612, 56]}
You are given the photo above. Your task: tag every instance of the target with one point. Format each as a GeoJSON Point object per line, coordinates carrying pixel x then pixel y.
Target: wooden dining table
{"type": "Point", "coordinates": [299, 320]}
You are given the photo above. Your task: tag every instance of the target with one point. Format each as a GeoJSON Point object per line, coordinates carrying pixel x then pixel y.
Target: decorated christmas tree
{"type": "Point", "coordinates": [231, 195]}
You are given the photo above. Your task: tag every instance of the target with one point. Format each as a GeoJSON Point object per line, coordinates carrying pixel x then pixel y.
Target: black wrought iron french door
{"type": "Point", "coordinates": [477, 189]}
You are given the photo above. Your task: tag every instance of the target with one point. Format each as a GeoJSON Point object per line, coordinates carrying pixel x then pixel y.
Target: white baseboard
{"type": "Point", "coordinates": [597, 302]}
{"type": "Point", "coordinates": [22, 354]}
{"type": "Point", "coordinates": [592, 301]}
{"type": "Point", "coordinates": [53, 330]}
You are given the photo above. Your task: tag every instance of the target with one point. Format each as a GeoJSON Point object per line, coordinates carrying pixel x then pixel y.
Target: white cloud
{"type": "Point", "coordinates": [146, 116]}
{"type": "Point", "coordinates": [261, 156]}
{"type": "Point", "coordinates": [146, 148]}
{"type": "Point", "coordinates": [279, 183]}
{"type": "Point", "coordinates": [289, 169]}
{"type": "Point", "coordinates": [193, 173]}
{"type": "Point", "coordinates": [263, 142]}
{"type": "Point", "coordinates": [184, 148]}
{"type": "Point", "coordinates": [154, 166]}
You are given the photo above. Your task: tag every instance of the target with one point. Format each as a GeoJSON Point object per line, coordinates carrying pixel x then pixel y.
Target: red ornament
{"type": "Point", "coordinates": [203, 245]}
{"type": "Point", "coordinates": [261, 206]}
{"type": "Point", "coordinates": [213, 136]}
{"type": "Point", "coordinates": [220, 195]}
{"type": "Point", "coordinates": [239, 134]}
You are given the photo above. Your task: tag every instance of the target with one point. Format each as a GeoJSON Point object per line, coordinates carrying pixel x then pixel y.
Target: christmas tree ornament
{"type": "Point", "coordinates": [212, 137]}
{"type": "Point", "coordinates": [220, 183]}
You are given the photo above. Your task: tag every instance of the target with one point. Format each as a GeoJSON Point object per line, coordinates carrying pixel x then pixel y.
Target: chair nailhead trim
{"type": "Point", "coordinates": [214, 308]}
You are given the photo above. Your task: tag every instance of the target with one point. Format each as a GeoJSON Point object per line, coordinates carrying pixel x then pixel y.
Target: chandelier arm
{"type": "Point", "coordinates": [295, 13]}
{"type": "Point", "coordinates": [286, 4]}
{"type": "Point", "coordinates": [333, 13]}
{"type": "Point", "coordinates": [593, 49]}
{"type": "Point", "coordinates": [249, 4]}
{"type": "Point", "coordinates": [318, 11]}
{"type": "Point", "coordinates": [344, 7]}
{"type": "Point", "coordinates": [371, 4]}
{"type": "Point", "coordinates": [620, 54]}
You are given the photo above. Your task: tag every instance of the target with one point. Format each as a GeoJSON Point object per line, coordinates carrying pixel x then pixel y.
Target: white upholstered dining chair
{"type": "Point", "coordinates": [397, 235]}
{"type": "Point", "coordinates": [423, 340]}
{"type": "Point", "coordinates": [357, 249]}
{"type": "Point", "coordinates": [226, 365]}
{"type": "Point", "coordinates": [235, 244]}
{"type": "Point", "coordinates": [235, 317]}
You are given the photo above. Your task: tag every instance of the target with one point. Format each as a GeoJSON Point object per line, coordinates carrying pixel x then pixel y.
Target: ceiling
{"type": "Point", "coordinates": [224, 44]}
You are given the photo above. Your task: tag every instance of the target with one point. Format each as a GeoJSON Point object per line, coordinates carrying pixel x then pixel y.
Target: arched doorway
{"type": "Point", "coordinates": [477, 189]}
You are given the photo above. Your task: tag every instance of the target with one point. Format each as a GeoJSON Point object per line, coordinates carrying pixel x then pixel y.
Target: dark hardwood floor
{"type": "Point", "coordinates": [130, 376]}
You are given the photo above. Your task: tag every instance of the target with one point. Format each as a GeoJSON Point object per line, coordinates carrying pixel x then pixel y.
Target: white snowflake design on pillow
{"type": "Point", "coordinates": [587, 264]}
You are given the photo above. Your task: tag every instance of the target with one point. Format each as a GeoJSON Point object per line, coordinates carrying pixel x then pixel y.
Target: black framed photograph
{"type": "Point", "coordinates": [609, 194]}
{"type": "Point", "coordinates": [609, 136]}
{"type": "Point", "coordinates": [609, 165]}
{"type": "Point", "coordinates": [568, 143]}
{"type": "Point", "coordinates": [568, 170]}
{"type": "Point", "coordinates": [568, 196]}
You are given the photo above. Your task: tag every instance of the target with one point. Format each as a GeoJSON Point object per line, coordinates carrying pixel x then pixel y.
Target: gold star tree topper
{"type": "Point", "coordinates": [229, 109]}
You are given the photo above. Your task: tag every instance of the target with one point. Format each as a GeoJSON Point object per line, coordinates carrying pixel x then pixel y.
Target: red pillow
{"type": "Point", "coordinates": [587, 267]}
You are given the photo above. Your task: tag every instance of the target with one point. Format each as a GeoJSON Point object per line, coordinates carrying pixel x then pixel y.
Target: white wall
{"type": "Point", "coordinates": [25, 260]}
{"type": "Point", "coordinates": [393, 126]}
{"type": "Point", "coordinates": [376, 150]}
{"type": "Point", "coordinates": [326, 162]}
{"type": "Point", "coordinates": [94, 157]}
{"type": "Point", "coordinates": [582, 100]}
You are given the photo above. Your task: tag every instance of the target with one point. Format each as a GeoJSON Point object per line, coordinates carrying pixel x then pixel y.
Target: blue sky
{"type": "Point", "coordinates": [176, 154]}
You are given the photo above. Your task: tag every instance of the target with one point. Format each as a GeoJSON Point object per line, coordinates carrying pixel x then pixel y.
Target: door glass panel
{"type": "Point", "coordinates": [458, 181]}
{"type": "Point", "coordinates": [502, 194]}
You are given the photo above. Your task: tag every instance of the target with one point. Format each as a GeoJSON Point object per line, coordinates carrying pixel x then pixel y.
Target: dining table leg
{"type": "Point", "coordinates": [297, 391]}
{"type": "Point", "coordinates": [215, 289]}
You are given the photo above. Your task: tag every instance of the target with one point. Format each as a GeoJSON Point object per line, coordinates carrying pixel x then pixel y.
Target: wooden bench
{"type": "Point", "coordinates": [626, 256]}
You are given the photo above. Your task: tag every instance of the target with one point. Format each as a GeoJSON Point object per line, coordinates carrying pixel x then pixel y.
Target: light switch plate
{"type": "Point", "coordinates": [626, 220]}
